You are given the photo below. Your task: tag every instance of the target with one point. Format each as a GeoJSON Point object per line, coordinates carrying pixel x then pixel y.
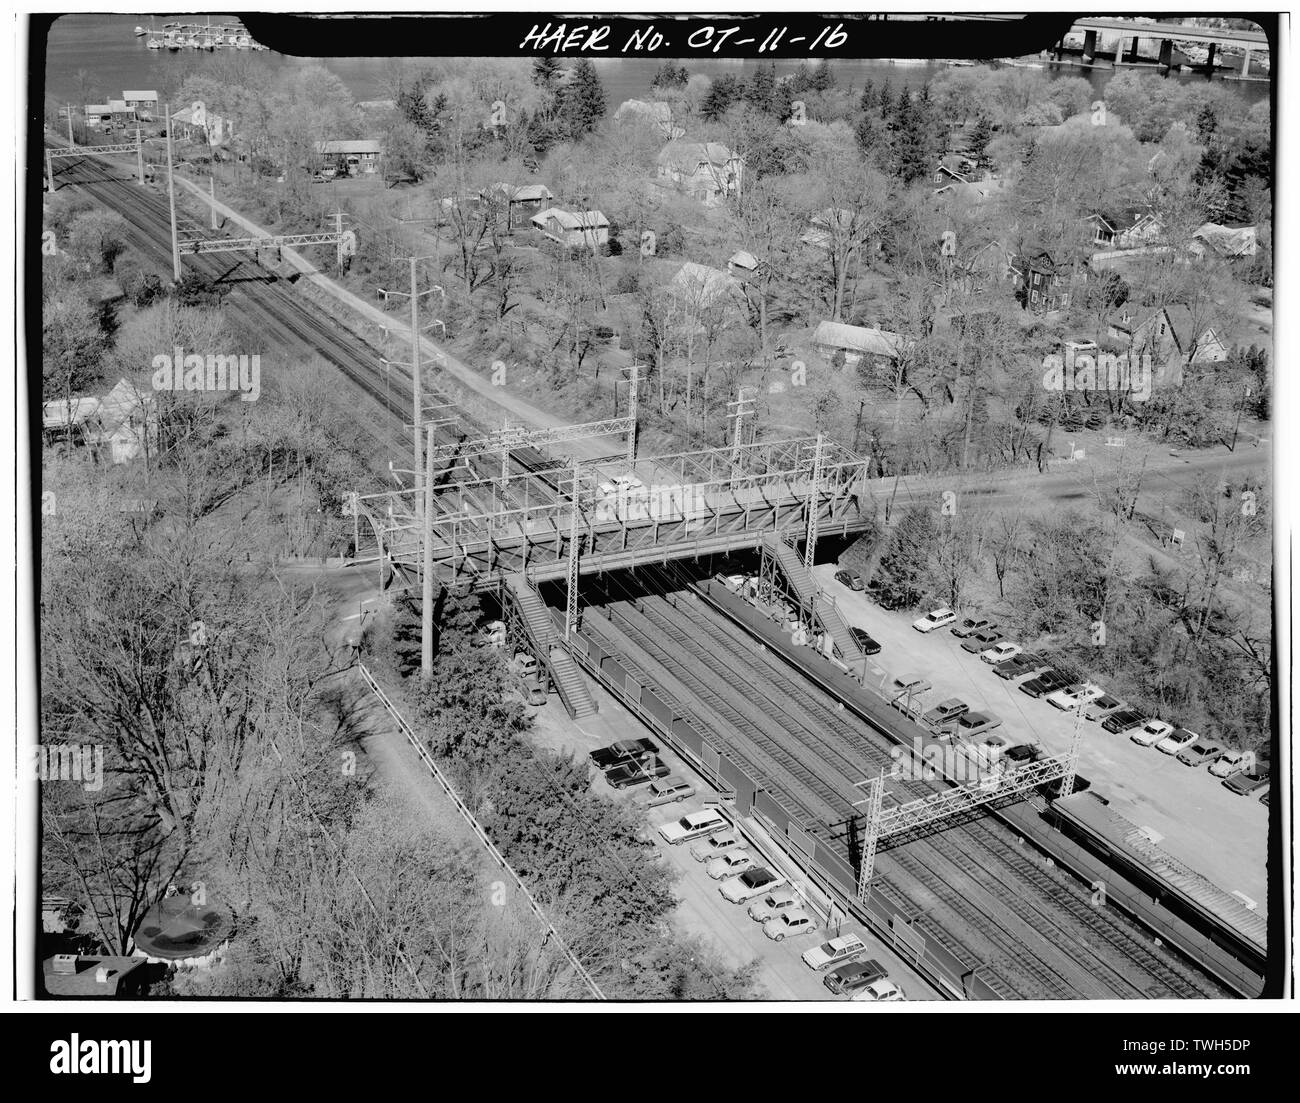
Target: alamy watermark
{"type": "Point", "coordinates": [69, 762]}
{"type": "Point", "coordinates": [1122, 373]}
{"type": "Point", "coordinates": [179, 371]}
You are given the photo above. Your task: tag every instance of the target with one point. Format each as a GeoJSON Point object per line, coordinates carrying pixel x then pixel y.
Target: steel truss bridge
{"type": "Point", "coordinates": [609, 514]}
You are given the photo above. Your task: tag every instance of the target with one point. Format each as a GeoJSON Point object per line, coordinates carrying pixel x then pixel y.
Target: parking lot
{"type": "Point", "coordinates": [1216, 832]}
{"type": "Point", "coordinates": [702, 911]}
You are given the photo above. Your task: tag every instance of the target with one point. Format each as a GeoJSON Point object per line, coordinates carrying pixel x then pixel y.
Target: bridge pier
{"type": "Point", "coordinates": [1245, 64]}
{"type": "Point", "coordinates": [1167, 53]}
{"type": "Point", "coordinates": [1089, 45]}
{"type": "Point", "coordinates": [1210, 59]}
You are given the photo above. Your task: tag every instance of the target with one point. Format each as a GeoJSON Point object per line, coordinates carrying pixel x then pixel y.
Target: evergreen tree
{"type": "Point", "coordinates": [582, 100]}
{"type": "Point", "coordinates": [886, 102]}
{"type": "Point", "coordinates": [980, 135]}
{"type": "Point", "coordinates": [669, 75]}
{"type": "Point", "coordinates": [721, 95]}
{"type": "Point", "coordinates": [868, 100]}
{"type": "Point", "coordinates": [761, 93]}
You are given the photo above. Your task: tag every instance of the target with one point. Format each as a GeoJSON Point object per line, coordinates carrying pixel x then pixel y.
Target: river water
{"type": "Point", "coordinates": [105, 49]}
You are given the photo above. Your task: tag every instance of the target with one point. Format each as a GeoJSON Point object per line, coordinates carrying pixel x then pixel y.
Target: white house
{"type": "Point", "coordinates": [709, 171]}
{"type": "Point", "coordinates": [572, 228]}
{"type": "Point", "coordinates": [351, 156]}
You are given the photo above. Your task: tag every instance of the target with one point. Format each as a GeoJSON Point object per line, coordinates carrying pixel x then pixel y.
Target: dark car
{"type": "Point", "coordinates": [1052, 789]}
{"type": "Point", "coordinates": [1047, 682]}
{"type": "Point", "coordinates": [981, 641]}
{"type": "Point", "coordinates": [1023, 753]}
{"type": "Point", "coordinates": [854, 976]}
{"type": "Point", "coordinates": [636, 772]}
{"type": "Point", "coordinates": [1019, 665]}
{"type": "Point", "coordinates": [617, 754]}
{"type": "Point", "coordinates": [1246, 782]}
{"type": "Point", "coordinates": [865, 642]}
{"type": "Point", "coordinates": [851, 579]}
{"type": "Point", "coordinates": [945, 711]}
{"type": "Point", "coordinates": [970, 625]}
{"type": "Point", "coordinates": [1120, 722]}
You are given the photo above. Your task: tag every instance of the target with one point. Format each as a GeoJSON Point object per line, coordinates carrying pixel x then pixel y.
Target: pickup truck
{"type": "Point", "coordinates": [692, 826]}
{"type": "Point", "coordinates": [751, 883]}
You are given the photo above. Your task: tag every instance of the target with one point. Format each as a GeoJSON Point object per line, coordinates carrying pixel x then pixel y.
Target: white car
{"type": "Point", "coordinates": [790, 922]}
{"type": "Point", "coordinates": [751, 883]}
{"type": "Point", "coordinates": [1071, 697]}
{"type": "Point", "coordinates": [1150, 733]}
{"type": "Point", "coordinates": [880, 991]}
{"type": "Point", "coordinates": [935, 618]}
{"type": "Point", "coordinates": [835, 952]}
{"type": "Point", "coordinates": [1000, 652]}
{"type": "Point", "coordinates": [1229, 763]}
{"type": "Point", "coordinates": [714, 845]}
{"type": "Point", "coordinates": [729, 863]}
{"type": "Point", "coordinates": [776, 901]}
{"type": "Point", "coordinates": [1177, 741]}
{"type": "Point", "coordinates": [692, 826]}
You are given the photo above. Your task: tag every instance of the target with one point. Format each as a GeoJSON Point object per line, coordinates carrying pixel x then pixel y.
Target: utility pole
{"type": "Point", "coordinates": [212, 191]}
{"type": "Point", "coordinates": [139, 157]}
{"type": "Point", "coordinates": [171, 199]}
{"type": "Point", "coordinates": [415, 380]}
{"type": "Point", "coordinates": [1237, 424]}
{"type": "Point", "coordinates": [338, 228]}
{"type": "Point", "coordinates": [426, 604]}
{"type": "Point", "coordinates": [70, 141]}
{"type": "Point", "coordinates": [633, 385]}
{"type": "Point", "coordinates": [571, 598]}
{"type": "Point", "coordinates": [857, 425]}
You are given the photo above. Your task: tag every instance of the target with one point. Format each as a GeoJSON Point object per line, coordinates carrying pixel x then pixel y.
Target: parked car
{"type": "Point", "coordinates": [970, 725]}
{"type": "Point", "coordinates": [854, 976]}
{"type": "Point", "coordinates": [729, 863]}
{"type": "Point", "coordinates": [1150, 733]}
{"type": "Point", "coordinates": [851, 579]}
{"type": "Point", "coordinates": [1104, 706]}
{"type": "Point", "coordinates": [1052, 789]}
{"type": "Point", "coordinates": [1023, 753]}
{"type": "Point", "coordinates": [1245, 782]}
{"type": "Point", "coordinates": [1072, 696]}
{"type": "Point", "coordinates": [1123, 721]}
{"type": "Point", "coordinates": [751, 883]}
{"type": "Point", "coordinates": [1177, 741]}
{"type": "Point", "coordinates": [944, 711]}
{"type": "Point", "coordinates": [1228, 763]}
{"type": "Point", "coordinates": [692, 826]}
{"type": "Point", "coordinates": [981, 641]}
{"type": "Point", "coordinates": [668, 790]}
{"type": "Point", "coordinates": [1020, 665]}
{"type": "Point", "coordinates": [793, 921]}
{"type": "Point", "coordinates": [714, 845]}
{"type": "Point", "coordinates": [935, 618]}
{"type": "Point", "coordinates": [1199, 753]}
{"type": "Point", "coordinates": [986, 750]}
{"type": "Point", "coordinates": [865, 643]}
{"type": "Point", "coordinates": [880, 991]}
{"type": "Point", "coordinates": [1000, 652]}
{"type": "Point", "coordinates": [970, 625]}
{"type": "Point", "coordinates": [778, 900]}
{"type": "Point", "coordinates": [834, 952]}
{"type": "Point", "coordinates": [637, 772]}
{"type": "Point", "coordinates": [617, 754]}
{"type": "Point", "coordinates": [909, 685]}
{"type": "Point", "coordinates": [1048, 681]}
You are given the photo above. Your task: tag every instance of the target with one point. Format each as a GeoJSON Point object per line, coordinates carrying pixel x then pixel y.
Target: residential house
{"type": "Point", "coordinates": [744, 266]}
{"type": "Point", "coordinates": [111, 114]}
{"type": "Point", "coordinates": [985, 268]}
{"type": "Point", "coordinates": [697, 288]}
{"type": "Point", "coordinates": [144, 104]}
{"type": "Point", "coordinates": [1042, 284]}
{"type": "Point", "coordinates": [708, 171]}
{"type": "Point", "coordinates": [832, 224]}
{"type": "Point", "coordinates": [954, 167]}
{"type": "Point", "coordinates": [1229, 242]}
{"type": "Point", "coordinates": [120, 426]}
{"type": "Point", "coordinates": [197, 124]}
{"type": "Point", "coordinates": [877, 348]}
{"type": "Point", "coordinates": [1130, 228]}
{"type": "Point", "coordinates": [652, 113]}
{"type": "Point", "coordinates": [1169, 336]}
{"type": "Point", "coordinates": [516, 204]}
{"type": "Point", "coordinates": [572, 229]}
{"type": "Point", "coordinates": [972, 191]}
{"type": "Point", "coordinates": [83, 976]}
{"type": "Point", "coordinates": [351, 156]}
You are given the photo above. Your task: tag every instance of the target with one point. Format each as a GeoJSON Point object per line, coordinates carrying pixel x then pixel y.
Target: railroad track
{"type": "Point", "coordinates": [988, 898]}
{"type": "Point", "coordinates": [278, 310]}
